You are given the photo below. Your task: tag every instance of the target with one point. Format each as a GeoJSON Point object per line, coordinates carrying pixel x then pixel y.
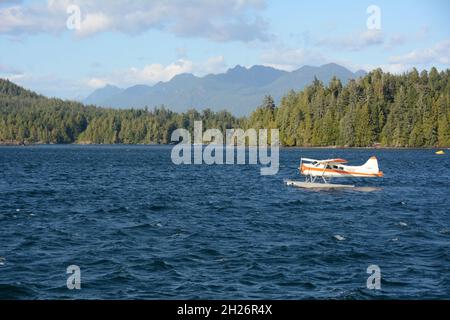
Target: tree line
{"type": "Point", "coordinates": [408, 110]}
{"type": "Point", "coordinates": [27, 118]}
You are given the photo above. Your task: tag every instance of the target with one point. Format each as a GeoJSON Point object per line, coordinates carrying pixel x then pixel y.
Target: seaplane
{"type": "Point", "coordinates": [327, 169]}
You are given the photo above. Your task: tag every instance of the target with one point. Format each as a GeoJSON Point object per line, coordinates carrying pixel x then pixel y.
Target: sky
{"type": "Point", "coordinates": [69, 48]}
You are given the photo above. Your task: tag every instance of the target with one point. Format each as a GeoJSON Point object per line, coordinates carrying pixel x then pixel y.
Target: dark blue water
{"type": "Point", "coordinates": [140, 227]}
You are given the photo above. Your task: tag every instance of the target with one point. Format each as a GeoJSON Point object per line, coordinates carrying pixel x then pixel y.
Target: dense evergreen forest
{"type": "Point", "coordinates": [26, 117]}
{"type": "Point", "coordinates": [409, 110]}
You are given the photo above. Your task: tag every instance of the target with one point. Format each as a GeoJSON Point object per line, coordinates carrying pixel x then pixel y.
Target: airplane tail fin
{"type": "Point", "coordinates": [372, 165]}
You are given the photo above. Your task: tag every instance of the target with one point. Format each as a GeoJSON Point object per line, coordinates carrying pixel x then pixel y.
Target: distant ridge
{"type": "Point", "coordinates": [238, 90]}
{"type": "Point", "coordinates": [102, 94]}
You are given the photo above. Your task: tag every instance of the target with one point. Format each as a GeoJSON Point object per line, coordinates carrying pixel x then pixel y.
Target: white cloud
{"type": "Point", "coordinates": [399, 39]}
{"type": "Point", "coordinates": [438, 54]}
{"type": "Point", "coordinates": [394, 68]}
{"type": "Point", "coordinates": [156, 72]}
{"type": "Point", "coordinates": [396, 39]}
{"type": "Point", "coordinates": [96, 83]}
{"type": "Point", "coordinates": [354, 42]}
{"type": "Point", "coordinates": [94, 23]}
{"type": "Point", "coordinates": [212, 65]}
{"type": "Point", "coordinates": [153, 73]}
{"type": "Point", "coordinates": [291, 59]}
{"type": "Point", "coordinates": [54, 85]}
{"type": "Point", "coordinates": [218, 20]}
{"type": "Point", "coordinates": [18, 19]}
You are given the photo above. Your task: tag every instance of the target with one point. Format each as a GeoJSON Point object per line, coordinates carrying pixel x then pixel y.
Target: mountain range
{"type": "Point", "coordinates": [238, 90]}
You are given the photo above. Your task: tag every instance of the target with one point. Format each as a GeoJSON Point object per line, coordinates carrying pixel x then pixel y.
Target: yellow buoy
{"type": "Point", "coordinates": [440, 152]}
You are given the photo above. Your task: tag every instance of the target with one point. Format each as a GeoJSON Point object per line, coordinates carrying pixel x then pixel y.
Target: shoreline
{"type": "Point", "coordinates": [16, 144]}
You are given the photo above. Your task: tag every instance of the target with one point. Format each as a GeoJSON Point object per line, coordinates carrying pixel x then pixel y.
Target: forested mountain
{"type": "Point", "coordinates": [26, 117]}
{"type": "Point", "coordinates": [239, 90]}
{"type": "Point", "coordinates": [409, 110]}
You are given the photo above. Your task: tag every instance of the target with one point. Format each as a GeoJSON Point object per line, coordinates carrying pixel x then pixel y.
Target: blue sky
{"type": "Point", "coordinates": [126, 42]}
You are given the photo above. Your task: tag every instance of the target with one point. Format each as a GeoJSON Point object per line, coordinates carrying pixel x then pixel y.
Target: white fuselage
{"type": "Point", "coordinates": [336, 170]}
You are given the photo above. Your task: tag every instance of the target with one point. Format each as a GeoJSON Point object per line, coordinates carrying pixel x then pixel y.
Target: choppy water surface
{"type": "Point", "coordinates": [140, 227]}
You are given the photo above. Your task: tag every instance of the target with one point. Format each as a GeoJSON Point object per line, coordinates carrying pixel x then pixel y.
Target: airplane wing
{"type": "Point", "coordinates": [333, 161]}
{"type": "Point", "coordinates": [338, 160]}
{"type": "Point", "coordinates": [309, 160]}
